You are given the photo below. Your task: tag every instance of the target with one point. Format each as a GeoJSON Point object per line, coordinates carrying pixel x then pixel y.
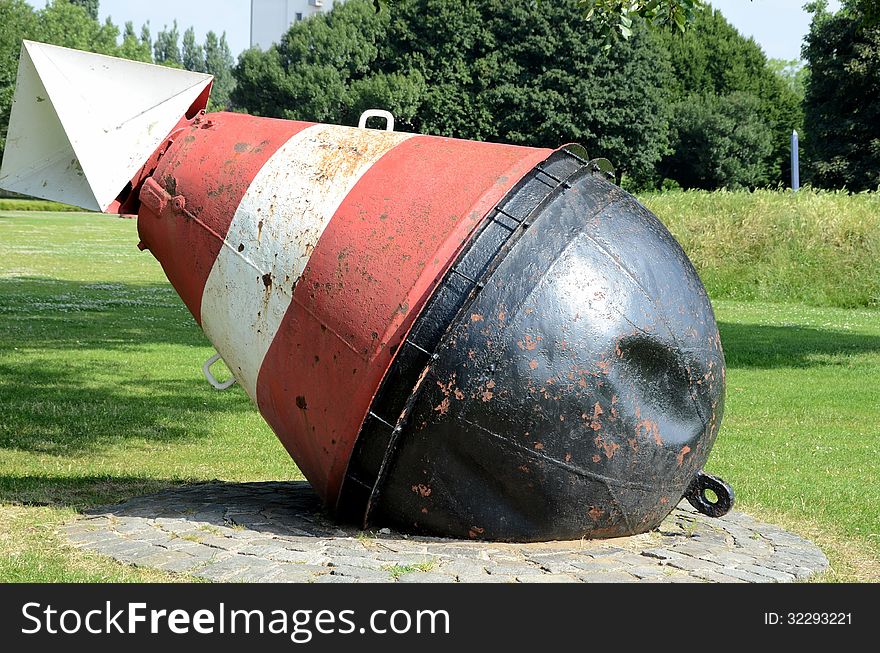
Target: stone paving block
{"type": "Point", "coordinates": [603, 552]}
{"type": "Point", "coordinates": [642, 571]}
{"type": "Point", "coordinates": [361, 562]}
{"type": "Point", "coordinates": [294, 573]}
{"type": "Point", "coordinates": [262, 532]}
{"type": "Point", "coordinates": [687, 563]}
{"type": "Point", "coordinates": [716, 577]}
{"type": "Point", "coordinates": [606, 577]}
{"type": "Point", "coordinates": [779, 576]}
{"type": "Point", "coordinates": [466, 567]}
{"type": "Point", "coordinates": [329, 578]}
{"type": "Point", "coordinates": [684, 578]}
{"type": "Point", "coordinates": [554, 565]}
{"type": "Point", "coordinates": [658, 553]}
{"type": "Point", "coordinates": [165, 560]}
{"type": "Point", "coordinates": [487, 578]}
{"type": "Point", "coordinates": [135, 552]}
{"type": "Point", "coordinates": [116, 546]}
{"type": "Point", "coordinates": [594, 564]}
{"type": "Point", "coordinates": [237, 568]}
{"type": "Point", "coordinates": [729, 558]}
{"type": "Point", "coordinates": [360, 572]}
{"type": "Point", "coordinates": [742, 574]}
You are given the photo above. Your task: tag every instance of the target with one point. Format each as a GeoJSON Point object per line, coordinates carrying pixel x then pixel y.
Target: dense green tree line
{"type": "Point", "coordinates": [489, 70]}
{"type": "Point", "coordinates": [699, 107]}
{"type": "Point", "coordinates": [702, 107]}
{"type": "Point", "coordinates": [842, 112]}
{"type": "Point", "coordinates": [732, 115]}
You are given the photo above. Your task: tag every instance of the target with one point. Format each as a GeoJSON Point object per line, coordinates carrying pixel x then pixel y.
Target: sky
{"type": "Point", "coordinates": [777, 25]}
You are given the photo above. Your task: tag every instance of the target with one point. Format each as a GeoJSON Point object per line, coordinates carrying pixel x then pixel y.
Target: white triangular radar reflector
{"type": "Point", "coordinates": [83, 124]}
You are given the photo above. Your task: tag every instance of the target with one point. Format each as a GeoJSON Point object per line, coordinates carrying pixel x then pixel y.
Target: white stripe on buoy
{"type": "Point", "coordinates": [273, 233]}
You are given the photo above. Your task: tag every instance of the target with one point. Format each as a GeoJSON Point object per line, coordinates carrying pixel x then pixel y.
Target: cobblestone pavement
{"type": "Point", "coordinates": [276, 532]}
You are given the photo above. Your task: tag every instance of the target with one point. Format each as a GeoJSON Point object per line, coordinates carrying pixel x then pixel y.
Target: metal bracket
{"type": "Point", "coordinates": [206, 370]}
{"type": "Point", "coordinates": [602, 167]}
{"type": "Point", "coordinates": [377, 113]}
{"type": "Point", "coordinates": [696, 495]}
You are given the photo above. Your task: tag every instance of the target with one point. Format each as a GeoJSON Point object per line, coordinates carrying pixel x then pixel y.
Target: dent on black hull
{"type": "Point", "coordinates": [565, 381]}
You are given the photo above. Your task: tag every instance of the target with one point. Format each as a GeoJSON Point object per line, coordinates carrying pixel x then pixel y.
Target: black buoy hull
{"type": "Point", "coordinates": [566, 381]}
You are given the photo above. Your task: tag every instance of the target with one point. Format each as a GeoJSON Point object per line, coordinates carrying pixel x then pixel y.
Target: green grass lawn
{"type": "Point", "coordinates": [102, 398]}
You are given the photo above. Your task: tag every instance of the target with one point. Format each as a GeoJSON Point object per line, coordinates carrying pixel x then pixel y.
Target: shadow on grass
{"type": "Point", "coordinates": [766, 347]}
{"type": "Point", "coordinates": [52, 314]}
{"type": "Point", "coordinates": [81, 368]}
{"type": "Point", "coordinates": [58, 410]}
{"type": "Point", "coordinates": [77, 492]}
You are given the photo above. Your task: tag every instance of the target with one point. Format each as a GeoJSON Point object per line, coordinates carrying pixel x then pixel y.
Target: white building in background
{"type": "Point", "coordinates": [270, 19]}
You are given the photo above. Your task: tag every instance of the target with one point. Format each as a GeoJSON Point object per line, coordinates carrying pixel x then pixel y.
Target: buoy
{"type": "Point", "coordinates": [449, 337]}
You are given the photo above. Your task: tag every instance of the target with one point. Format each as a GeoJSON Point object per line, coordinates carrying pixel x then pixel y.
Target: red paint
{"type": "Point", "coordinates": [378, 261]}
{"type": "Point", "coordinates": [376, 264]}
{"type": "Point", "coordinates": [210, 164]}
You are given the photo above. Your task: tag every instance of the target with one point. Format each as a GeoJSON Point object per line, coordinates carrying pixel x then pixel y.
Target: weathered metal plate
{"type": "Point", "coordinates": [577, 396]}
{"type": "Point", "coordinates": [306, 251]}
{"type": "Point", "coordinates": [377, 262]}
{"type": "Point", "coordinates": [67, 142]}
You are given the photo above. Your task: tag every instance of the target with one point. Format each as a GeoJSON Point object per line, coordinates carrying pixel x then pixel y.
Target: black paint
{"type": "Point", "coordinates": [566, 380]}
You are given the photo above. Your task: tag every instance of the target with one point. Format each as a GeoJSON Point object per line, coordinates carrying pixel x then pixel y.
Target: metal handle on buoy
{"type": "Point", "coordinates": [206, 370]}
{"type": "Point", "coordinates": [377, 113]}
{"type": "Point", "coordinates": [696, 495]}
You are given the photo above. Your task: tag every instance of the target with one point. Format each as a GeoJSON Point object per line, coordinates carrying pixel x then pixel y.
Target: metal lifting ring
{"type": "Point", "coordinates": [206, 370]}
{"type": "Point", "coordinates": [377, 113]}
{"type": "Point", "coordinates": [696, 495]}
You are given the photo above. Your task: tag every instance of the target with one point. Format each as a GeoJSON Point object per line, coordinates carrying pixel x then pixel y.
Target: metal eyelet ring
{"type": "Point", "coordinates": [696, 495]}
{"type": "Point", "coordinates": [206, 370]}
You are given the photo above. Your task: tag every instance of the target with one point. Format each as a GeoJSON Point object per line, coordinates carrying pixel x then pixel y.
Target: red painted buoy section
{"type": "Point", "coordinates": [457, 338]}
{"type": "Point", "coordinates": [306, 251]}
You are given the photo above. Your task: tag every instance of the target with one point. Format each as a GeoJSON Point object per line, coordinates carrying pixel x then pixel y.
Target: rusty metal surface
{"type": "Point", "coordinates": [578, 395]}
{"type": "Point", "coordinates": [306, 251]}
{"type": "Point", "coordinates": [501, 228]}
{"type": "Point", "coordinates": [377, 262]}
{"type": "Point", "coordinates": [273, 236]}
{"type": "Point", "coordinates": [208, 167]}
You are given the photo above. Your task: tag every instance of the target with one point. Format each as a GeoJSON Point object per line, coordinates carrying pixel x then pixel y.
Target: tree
{"type": "Point", "coordinates": [503, 70]}
{"type": "Point", "coordinates": [133, 47]}
{"type": "Point", "coordinates": [70, 25]}
{"type": "Point", "coordinates": [713, 58]}
{"type": "Point", "coordinates": [193, 55]}
{"type": "Point", "coordinates": [719, 142]}
{"type": "Point", "coordinates": [166, 49]}
{"type": "Point", "coordinates": [614, 17]}
{"type": "Point", "coordinates": [147, 38]}
{"type": "Point", "coordinates": [91, 7]}
{"type": "Point", "coordinates": [793, 72]}
{"type": "Point", "coordinates": [618, 16]}
{"type": "Point", "coordinates": [842, 115]}
{"type": "Point", "coordinates": [219, 63]}
{"type": "Point", "coordinates": [17, 22]}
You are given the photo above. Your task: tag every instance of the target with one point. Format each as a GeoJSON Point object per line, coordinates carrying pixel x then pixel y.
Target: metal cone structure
{"type": "Point", "coordinates": [451, 337]}
{"type": "Point", "coordinates": [69, 141]}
